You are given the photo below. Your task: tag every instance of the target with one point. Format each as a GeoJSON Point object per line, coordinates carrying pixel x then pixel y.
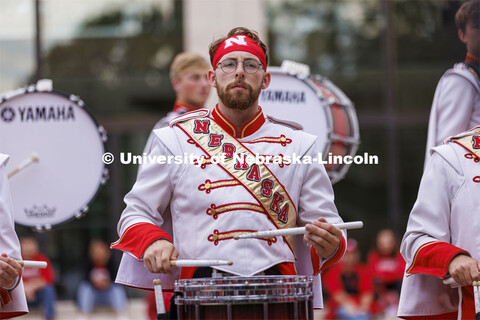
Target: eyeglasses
{"type": "Point", "coordinates": [249, 65]}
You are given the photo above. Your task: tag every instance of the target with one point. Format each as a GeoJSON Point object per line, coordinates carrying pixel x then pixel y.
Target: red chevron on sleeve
{"type": "Point", "coordinates": [138, 237]}
{"type": "Point", "coordinates": [433, 258]}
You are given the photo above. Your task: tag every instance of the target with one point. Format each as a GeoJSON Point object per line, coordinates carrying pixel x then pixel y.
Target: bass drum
{"type": "Point", "coordinates": [55, 149]}
{"type": "Point", "coordinates": [321, 108]}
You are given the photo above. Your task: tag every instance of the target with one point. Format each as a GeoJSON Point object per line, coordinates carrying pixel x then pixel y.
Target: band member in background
{"type": "Point", "coordinates": [12, 294]}
{"type": "Point", "coordinates": [39, 283]}
{"type": "Point", "coordinates": [456, 104]}
{"type": "Point", "coordinates": [442, 235]}
{"type": "Point", "coordinates": [188, 74]}
{"type": "Point", "coordinates": [209, 203]}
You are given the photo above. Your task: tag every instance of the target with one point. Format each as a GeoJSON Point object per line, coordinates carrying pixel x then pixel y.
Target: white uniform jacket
{"type": "Point", "coordinates": [178, 109]}
{"type": "Point", "coordinates": [455, 107]}
{"type": "Point", "coordinates": [207, 206]}
{"type": "Point", "coordinates": [12, 302]}
{"type": "Point", "coordinates": [444, 222]}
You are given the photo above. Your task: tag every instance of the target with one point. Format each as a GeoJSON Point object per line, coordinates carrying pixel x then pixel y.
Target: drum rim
{"type": "Point", "coordinates": [102, 133]}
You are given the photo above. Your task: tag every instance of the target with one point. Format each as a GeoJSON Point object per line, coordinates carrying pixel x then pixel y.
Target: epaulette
{"type": "Point", "coordinates": [470, 140]}
{"type": "Point", "coordinates": [291, 124]}
{"type": "Point", "coordinates": [3, 158]}
{"type": "Point", "coordinates": [189, 115]}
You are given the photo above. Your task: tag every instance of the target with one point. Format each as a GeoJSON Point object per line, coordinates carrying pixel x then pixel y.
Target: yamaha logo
{"type": "Point", "coordinates": [7, 114]}
{"type": "Point", "coordinates": [41, 113]}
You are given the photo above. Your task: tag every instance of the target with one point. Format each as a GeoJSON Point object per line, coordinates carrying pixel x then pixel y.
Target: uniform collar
{"type": "Point", "coordinates": [248, 127]}
{"type": "Point", "coordinates": [183, 107]}
{"type": "Point", "coordinates": [470, 58]}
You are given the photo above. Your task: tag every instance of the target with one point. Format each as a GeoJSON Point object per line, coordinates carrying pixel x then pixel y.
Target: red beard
{"type": "Point", "coordinates": [240, 100]}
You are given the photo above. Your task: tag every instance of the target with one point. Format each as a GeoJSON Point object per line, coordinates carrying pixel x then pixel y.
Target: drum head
{"type": "Point", "coordinates": [69, 145]}
{"type": "Point", "coordinates": [321, 108]}
{"type": "Point", "coordinates": [291, 98]}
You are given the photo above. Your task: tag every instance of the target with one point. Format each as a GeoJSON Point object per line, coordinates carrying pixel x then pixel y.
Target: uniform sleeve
{"type": "Point", "coordinates": [317, 200]}
{"type": "Point", "coordinates": [426, 244]}
{"type": "Point", "coordinates": [141, 221]}
{"type": "Point", "coordinates": [8, 239]}
{"type": "Point", "coordinates": [454, 101]}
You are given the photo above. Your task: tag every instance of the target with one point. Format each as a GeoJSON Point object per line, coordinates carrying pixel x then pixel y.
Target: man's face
{"type": "Point", "coordinates": [471, 37]}
{"type": "Point", "coordinates": [192, 87]}
{"type": "Point", "coordinates": [239, 90]}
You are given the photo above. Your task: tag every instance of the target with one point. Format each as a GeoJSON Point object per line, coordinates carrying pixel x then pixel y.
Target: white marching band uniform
{"type": "Point", "coordinates": [12, 300]}
{"type": "Point", "coordinates": [443, 223]}
{"type": "Point", "coordinates": [455, 107]}
{"type": "Point", "coordinates": [207, 206]}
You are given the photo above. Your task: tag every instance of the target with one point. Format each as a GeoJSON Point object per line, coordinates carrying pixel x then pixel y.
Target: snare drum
{"type": "Point", "coordinates": [69, 145]}
{"type": "Point", "coordinates": [321, 108]}
{"type": "Point", "coordinates": [262, 297]}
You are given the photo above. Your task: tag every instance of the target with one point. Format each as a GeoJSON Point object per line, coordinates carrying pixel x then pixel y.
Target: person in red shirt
{"type": "Point", "coordinates": [38, 283]}
{"type": "Point", "coordinates": [349, 287]}
{"type": "Point", "coordinates": [387, 267]}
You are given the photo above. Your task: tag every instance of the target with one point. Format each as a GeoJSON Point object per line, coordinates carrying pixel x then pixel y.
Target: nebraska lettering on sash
{"type": "Point", "coordinates": [254, 173]}
{"type": "Point", "coordinates": [228, 150]}
{"type": "Point", "coordinates": [476, 142]}
{"type": "Point", "coordinates": [215, 140]}
{"type": "Point", "coordinates": [201, 126]}
{"type": "Point", "coordinates": [254, 177]}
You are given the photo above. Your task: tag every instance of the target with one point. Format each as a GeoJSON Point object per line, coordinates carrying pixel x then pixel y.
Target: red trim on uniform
{"type": "Point", "coordinates": [5, 297]}
{"type": "Point", "coordinates": [247, 128]}
{"type": "Point", "coordinates": [8, 315]}
{"type": "Point", "coordinates": [443, 316]}
{"type": "Point", "coordinates": [433, 258]}
{"type": "Point", "coordinates": [187, 272]}
{"type": "Point", "coordinates": [138, 237]}
{"type": "Point", "coordinates": [470, 58]}
{"type": "Point", "coordinates": [468, 303]}
{"type": "Point", "coordinates": [215, 214]}
{"type": "Point", "coordinates": [342, 247]}
{"type": "Point", "coordinates": [287, 268]}
{"type": "Point", "coordinates": [181, 106]}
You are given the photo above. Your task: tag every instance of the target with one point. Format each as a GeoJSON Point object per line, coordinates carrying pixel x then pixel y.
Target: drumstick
{"type": "Point", "coordinates": [199, 263]}
{"type": "Point", "coordinates": [295, 231]}
{"type": "Point", "coordinates": [33, 158]}
{"type": "Point", "coordinates": [476, 295]}
{"type": "Point", "coordinates": [32, 264]}
{"type": "Point", "coordinates": [157, 287]}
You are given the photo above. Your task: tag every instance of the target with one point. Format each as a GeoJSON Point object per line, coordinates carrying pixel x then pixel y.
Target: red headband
{"type": "Point", "coordinates": [239, 43]}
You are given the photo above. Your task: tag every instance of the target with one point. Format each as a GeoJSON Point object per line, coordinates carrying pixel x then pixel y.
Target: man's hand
{"type": "Point", "coordinates": [9, 271]}
{"type": "Point", "coordinates": [464, 269]}
{"type": "Point", "coordinates": [323, 236]}
{"type": "Point", "coordinates": [158, 255]}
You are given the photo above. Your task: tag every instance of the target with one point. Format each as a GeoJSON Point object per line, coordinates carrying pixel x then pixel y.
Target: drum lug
{"type": "Point", "coordinates": [82, 212]}
{"type": "Point", "coordinates": [103, 133]}
{"type": "Point", "coordinates": [105, 176]}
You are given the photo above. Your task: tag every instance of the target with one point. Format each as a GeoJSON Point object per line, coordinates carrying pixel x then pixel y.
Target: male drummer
{"type": "Point", "coordinates": [188, 75]}
{"type": "Point", "coordinates": [442, 234]}
{"type": "Point", "coordinates": [12, 294]}
{"type": "Point", "coordinates": [209, 202]}
{"type": "Point", "coordinates": [456, 104]}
